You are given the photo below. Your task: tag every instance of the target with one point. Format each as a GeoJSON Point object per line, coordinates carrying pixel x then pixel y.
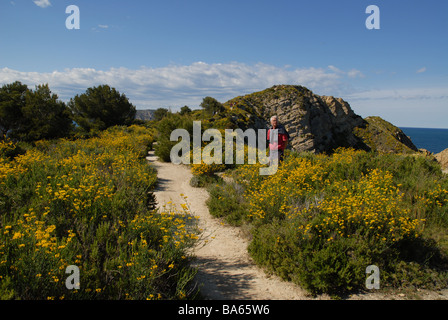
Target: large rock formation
{"type": "Point", "coordinates": [442, 158]}
{"type": "Point", "coordinates": [316, 123]}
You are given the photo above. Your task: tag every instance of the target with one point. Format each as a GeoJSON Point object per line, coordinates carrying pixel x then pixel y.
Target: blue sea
{"type": "Point", "coordinates": [433, 140]}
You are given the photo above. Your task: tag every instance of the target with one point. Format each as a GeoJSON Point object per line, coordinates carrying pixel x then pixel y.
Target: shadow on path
{"type": "Point", "coordinates": [225, 280]}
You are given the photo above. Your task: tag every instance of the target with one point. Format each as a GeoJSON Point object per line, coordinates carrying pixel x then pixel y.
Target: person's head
{"type": "Point", "coordinates": [274, 121]}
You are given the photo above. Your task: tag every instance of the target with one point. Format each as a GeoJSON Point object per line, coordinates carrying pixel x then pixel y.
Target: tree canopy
{"type": "Point", "coordinates": [12, 100]}
{"type": "Point", "coordinates": [211, 106]}
{"type": "Point", "coordinates": [185, 110]}
{"type": "Point", "coordinates": [31, 115]}
{"type": "Point", "coordinates": [100, 108]}
{"type": "Point", "coordinates": [160, 113]}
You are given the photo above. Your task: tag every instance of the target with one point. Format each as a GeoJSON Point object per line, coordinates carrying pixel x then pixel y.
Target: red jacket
{"type": "Point", "coordinates": [283, 137]}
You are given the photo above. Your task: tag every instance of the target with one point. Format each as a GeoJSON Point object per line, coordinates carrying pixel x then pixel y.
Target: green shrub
{"type": "Point", "coordinates": [89, 203]}
{"type": "Point", "coordinates": [321, 220]}
{"type": "Point", "coordinates": [201, 181]}
{"type": "Point", "coordinates": [226, 201]}
{"type": "Point", "coordinates": [165, 127]}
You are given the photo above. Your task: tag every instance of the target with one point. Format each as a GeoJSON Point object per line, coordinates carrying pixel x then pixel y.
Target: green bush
{"type": "Point", "coordinates": [165, 127]}
{"type": "Point", "coordinates": [337, 267]}
{"type": "Point", "coordinates": [89, 203]}
{"type": "Point", "coordinates": [321, 220]}
{"type": "Point", "coordinates": [201, 181]}
{"type": "Point", "coordinates": [226, 201]}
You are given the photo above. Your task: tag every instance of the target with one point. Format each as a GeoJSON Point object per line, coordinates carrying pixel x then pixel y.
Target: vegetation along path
{"type": "Point", "coordinates": [225, 269]}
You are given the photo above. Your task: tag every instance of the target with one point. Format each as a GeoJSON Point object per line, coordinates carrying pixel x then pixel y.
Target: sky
{"type": "Point", "coordinates": [174, 53]}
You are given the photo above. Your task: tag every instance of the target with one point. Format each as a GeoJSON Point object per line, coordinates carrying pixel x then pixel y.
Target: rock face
{"type": "Point", "coordinates": [316, 123]}
{"type": "Point", "coordinates": [442, 158]}
{"type": "Point", "coordinates": [147, 114]}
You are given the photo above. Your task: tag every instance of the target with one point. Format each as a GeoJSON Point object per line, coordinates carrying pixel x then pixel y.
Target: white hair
{"type": "Point", "coordinates": [274, 117]}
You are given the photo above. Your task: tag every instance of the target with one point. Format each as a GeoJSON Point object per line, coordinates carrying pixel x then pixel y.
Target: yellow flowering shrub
{"type": "Point", "coordinates": [372, 207]}
{"type": "Point", "coordinates": [206, 169]}
{"type": "Point", "coordinates": [320, 220]}
{"type": "Point", "coordinates": [89, 203]}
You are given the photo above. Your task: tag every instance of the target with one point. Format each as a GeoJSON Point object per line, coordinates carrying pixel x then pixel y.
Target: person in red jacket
{"type": "Point", "coordinates": [282, 141]}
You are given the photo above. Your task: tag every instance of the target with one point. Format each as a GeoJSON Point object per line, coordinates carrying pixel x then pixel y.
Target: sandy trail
{"type": "Point", "coordinates": [226, 270]}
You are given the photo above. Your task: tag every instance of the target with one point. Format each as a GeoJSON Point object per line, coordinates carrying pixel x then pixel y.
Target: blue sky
{"type": "Point", "coordinates": [174, 53]}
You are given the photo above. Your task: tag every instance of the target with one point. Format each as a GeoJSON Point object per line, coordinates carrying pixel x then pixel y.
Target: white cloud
{"type": "Point", "coordinates": [405, 107]}
{"type": "Point", "coordinates": [334, 69]}
{"type": "Point", "coordinates": [103, 26]}
{"type": "Point", "coordinates": [178, 85]}
{"type": "Point", "coordinates": [401, 94]}
{"type": "Point", "coordinates": [421, 70]}
{"type": "Point", "coordinates": [355, 74]}
{"type": "Point", "coordinates": [424, 113]}
{"type": "Point", "coordinates": [42, 3]}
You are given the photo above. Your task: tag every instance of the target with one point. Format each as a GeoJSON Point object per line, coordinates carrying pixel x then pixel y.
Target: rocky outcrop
{"type": "Point", "coordinates": [442, 158]}
{"type": "Point", "coordinates": [144, 115]}
{"type": "Point", "coordinates": [316, 123]}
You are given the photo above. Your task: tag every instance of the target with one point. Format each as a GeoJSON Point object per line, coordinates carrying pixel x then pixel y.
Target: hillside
{"type": "Point", "coordinates": [380, 135]}
{"type": "Point", "coordinates": [316, 123]}
{"type": "Point", "coordinates": [147, 114]}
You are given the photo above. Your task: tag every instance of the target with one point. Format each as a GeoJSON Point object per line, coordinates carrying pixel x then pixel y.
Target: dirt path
{"type": "Point", "coordinates": [225, 269]}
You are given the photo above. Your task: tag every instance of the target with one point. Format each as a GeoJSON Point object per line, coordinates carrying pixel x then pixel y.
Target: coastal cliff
{"type": "Point", "coordinates": [316, 123]}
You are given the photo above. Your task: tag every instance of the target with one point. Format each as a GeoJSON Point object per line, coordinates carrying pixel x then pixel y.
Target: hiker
{"type": "Point", "coordinates": [282, 142]}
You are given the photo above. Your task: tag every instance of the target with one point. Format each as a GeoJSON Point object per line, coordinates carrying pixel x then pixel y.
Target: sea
{"type": "Point", "coordinates": [433, 140]}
